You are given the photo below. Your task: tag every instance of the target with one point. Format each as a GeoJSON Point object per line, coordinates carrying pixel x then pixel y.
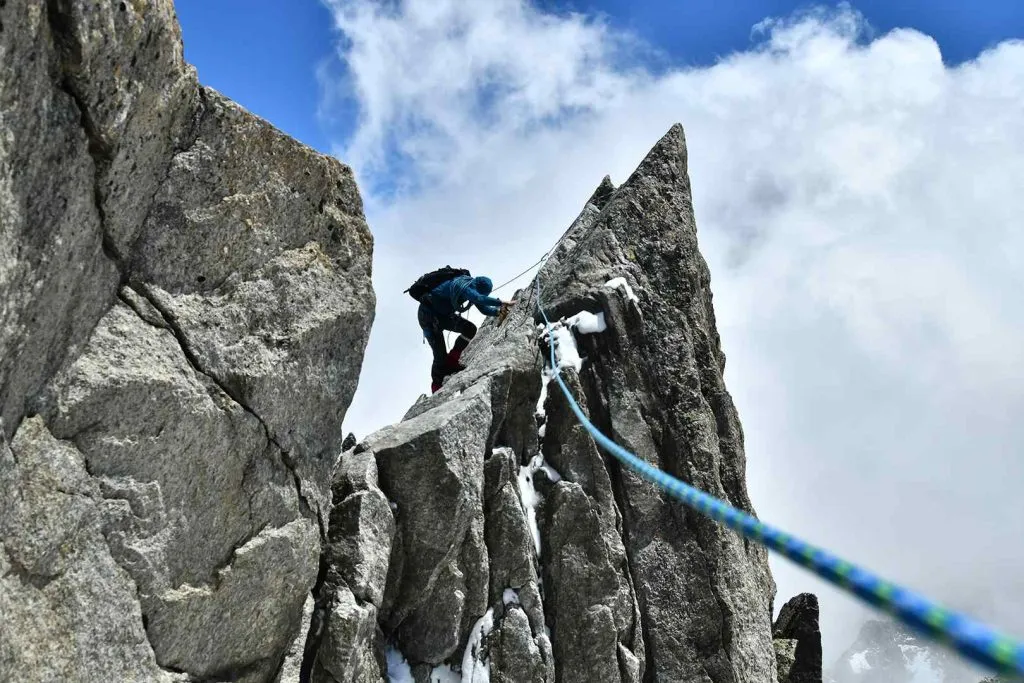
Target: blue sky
{"type": "Point", "coordinates": [264, 54]}
{"type": "Point", "coordinates": [856, 179]}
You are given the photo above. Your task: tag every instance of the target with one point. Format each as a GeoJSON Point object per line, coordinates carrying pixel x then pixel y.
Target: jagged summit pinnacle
{"type": "Point", "coordinates": [603, 193]}
{"type": "Point", "coordinates": [518, 545]}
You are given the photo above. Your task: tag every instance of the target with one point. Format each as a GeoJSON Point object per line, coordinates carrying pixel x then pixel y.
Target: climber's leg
{"type": "Point", "coordinates": [467, 331]}
{"type": "Point", "coordinates": [434, 334]}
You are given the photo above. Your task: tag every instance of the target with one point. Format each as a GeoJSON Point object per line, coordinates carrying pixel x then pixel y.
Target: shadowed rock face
{"type": "Point", "coordinates": [574, 569]}
{"type": "Point", "coordinates": [184, 300]}
{"type": "Point", "coordinates": [800, 636]}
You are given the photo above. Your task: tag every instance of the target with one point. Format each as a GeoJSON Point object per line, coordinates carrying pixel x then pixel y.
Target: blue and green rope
{"type": "Point", "coordinates": [972, 639]}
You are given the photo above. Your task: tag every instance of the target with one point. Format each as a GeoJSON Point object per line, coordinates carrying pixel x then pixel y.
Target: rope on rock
{"type": "Point", "coordinates": [972, 639]}
{"type": "Point", "coordinates": [539, 261]}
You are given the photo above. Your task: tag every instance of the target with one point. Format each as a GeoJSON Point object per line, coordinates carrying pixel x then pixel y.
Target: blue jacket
{"type": "Point", "coordinates": [459, 293]}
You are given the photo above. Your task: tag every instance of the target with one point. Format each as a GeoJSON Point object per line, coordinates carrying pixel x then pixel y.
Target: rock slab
{"type": "Point", "coordinates": [185, 298]}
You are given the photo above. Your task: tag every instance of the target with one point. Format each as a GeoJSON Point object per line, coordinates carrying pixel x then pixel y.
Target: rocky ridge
{"type": "Point", "coordinates": [511, 544]}
{"type": "Point", "coordinates": [184, 300]}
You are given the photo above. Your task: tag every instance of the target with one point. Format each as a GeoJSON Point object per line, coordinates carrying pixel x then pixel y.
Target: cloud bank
{"type": "Point", "coordinates": [859, 203]}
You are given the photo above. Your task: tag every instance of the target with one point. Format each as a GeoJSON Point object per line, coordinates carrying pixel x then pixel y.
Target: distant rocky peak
{"type": "Point", "coordinates": [887, 652]}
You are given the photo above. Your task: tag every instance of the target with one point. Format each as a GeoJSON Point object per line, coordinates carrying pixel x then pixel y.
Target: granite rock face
{"type": "Point", "coordinates": [184, 301]}
{"type": "Point", "coordinates": [656, 387]}
{"type": "Point", "coordinates": [522, 548]}
{"type": "Point", "coordinates": [430, 468]}
{"type": "Point", "coordinates": [342, 644]}
{"type": "Point", "coordinates": [69, 609]}
{"type": "Point", "coordinates": [185, 297]}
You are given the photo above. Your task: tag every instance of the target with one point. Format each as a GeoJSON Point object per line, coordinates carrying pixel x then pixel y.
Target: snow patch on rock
{"type": "Point", "coordinates": [620, 283]}
{"type": "Point", "coordinates": [529, 498]}
{"type": "Point", "coordinates": [476, 666]}
{"type": "Point", "coordinates": [566, 353]}
{"type": "Point", "coordinates": [586, 322]}
{"type": "Point", "coordinates": [398, 668]}
{"type": "Point", "coordinates": [560, 335]}
{"type": "Point", "coordinates": [528, 492]}
{"type": "Point", "coordinates": [445, 674]}
{"type": "Point", "coordinates": [543, 395]}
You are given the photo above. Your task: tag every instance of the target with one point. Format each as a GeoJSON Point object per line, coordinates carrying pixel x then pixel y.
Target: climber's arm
{"type": "Point", "coordinates": [490, 310]}
{"type": "Point", "coordinates": [481, 301]}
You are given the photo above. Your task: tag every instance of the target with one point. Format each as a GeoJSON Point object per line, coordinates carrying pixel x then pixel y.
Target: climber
{"type": "Point", "coordinates": [444, 295]}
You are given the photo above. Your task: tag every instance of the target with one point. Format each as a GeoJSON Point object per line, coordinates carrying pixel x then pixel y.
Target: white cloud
{"type": "Point", "coordinates": [858, 201]}
{"type": "Point", "coordinates": [442, 81]}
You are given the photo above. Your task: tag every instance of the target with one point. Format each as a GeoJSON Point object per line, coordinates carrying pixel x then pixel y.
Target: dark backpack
{"type": "Point", "coordinates": [426, 283]}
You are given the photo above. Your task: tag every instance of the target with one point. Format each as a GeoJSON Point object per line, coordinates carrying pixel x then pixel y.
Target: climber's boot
{"type": "Point", "coordinates": [452, 364]}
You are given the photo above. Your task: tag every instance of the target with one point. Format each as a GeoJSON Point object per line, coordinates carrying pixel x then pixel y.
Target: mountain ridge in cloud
{"type": "Point", "coordinates": [857, 200]}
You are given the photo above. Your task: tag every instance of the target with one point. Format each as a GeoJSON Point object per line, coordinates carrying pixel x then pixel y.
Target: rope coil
{"type": "Point", "coordinates": [971, 638]}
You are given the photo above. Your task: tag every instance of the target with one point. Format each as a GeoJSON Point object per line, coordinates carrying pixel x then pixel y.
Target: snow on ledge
{"type": "Point", "coordinates": [620, 283]}
{"type": "Point", "coordinates": [586, 322]}
{"type": "Point", "coordinates": [566, 353]}
{"type": "Point", "coordinates": [539, 463]}
{"type": "Point", "coordinates": [528, 492]}
{"type": "Point", "coordinates": [510, 596]}
{"type": "Point", "coordinates": [398, 668]}
{"type": "Point", "coordinates": [476, 668]}
{"type": "Point", "coordinates": [545, 378]}
{"type": "Point", "coordinates": [445, 674]}
{"type": "Point", "coordinates": [529, 498]}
